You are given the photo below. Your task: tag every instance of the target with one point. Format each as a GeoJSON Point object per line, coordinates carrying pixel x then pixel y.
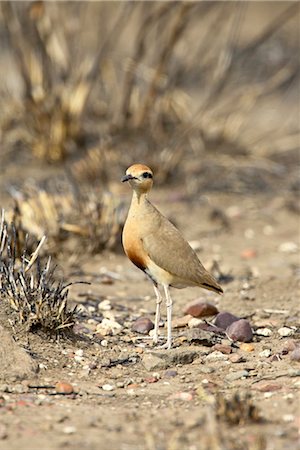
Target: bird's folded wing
{"type": "Point", "coordinates": [169, 250]}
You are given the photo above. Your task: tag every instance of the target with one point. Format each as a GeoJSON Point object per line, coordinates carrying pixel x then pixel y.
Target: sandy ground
{"type": "Point", "coordinates": [122, 402]}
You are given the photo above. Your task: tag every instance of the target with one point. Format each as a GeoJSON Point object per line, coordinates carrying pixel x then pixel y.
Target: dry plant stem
{"type": "Point", "coordinates": [35, 254]}
{"type": "Point", "coordinates": [150, 19]}
{"type": "Point", "coordinates": [176, 32]}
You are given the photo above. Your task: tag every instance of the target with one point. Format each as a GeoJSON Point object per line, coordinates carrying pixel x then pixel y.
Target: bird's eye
{"type": "Point", "coordinates": [147, 175]}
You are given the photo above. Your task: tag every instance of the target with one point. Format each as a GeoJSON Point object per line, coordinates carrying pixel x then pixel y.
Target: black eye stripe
{"type": "Point", "coordinates": [147, 175]}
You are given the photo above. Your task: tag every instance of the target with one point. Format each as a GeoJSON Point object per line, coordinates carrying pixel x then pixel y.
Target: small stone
{"type": "Point", "coordinates": [216, 356]}
{"type": "Point", "coordinates": [181, 322]}
{"type": "Point", "coordinates": [223, 348]}
{"type": "Point", "coordinates": [64, 388]}
{"type": "Point", "coordinates": [194, 322]}
{"type": "Point", "coordinates": [109, 327]}
{"type": "Point", "coordinates": [246, 347]}
{"type": "Point", "coordinates": [248, 253]}
{"type": "Point", "coordinates": [265, 353]}
{"type": "Point", "coordinates": [108, 387]}
{"type": "Point", "coordinates": [240, 331]}
{"type": "Point", "coordinates": [206, 369]}
{"type": "Point", "coordinates": [184, 396]}
{"type": "Point", "coordinates": [142, 325]}
{"type": "Point", "coordinates": [285, 331]}
{"type": "Point", "coordinates": [225, 319]}
{"type": "Point", "coordinates": [288, 247]}
{"type": "Point", "coordinates": [236, 375]}
{"type": "Point", "coordinates": [171, 373]}
{"type": "Point", "coordinates": [79, 352]}
{"type": "Point", "coordinates": [266, 332]}
{"type": "Point", "coordinates": [69, 430]}
{"type": "Point", "coordinates": [290, 345]}
{"type": "Point", "coordinates": [236, 358]}
{"type": "Point", "coordinates": [295, 355]}
{"type": "Point", "coordinates": [265, 386]}
{"type": "Point", "coordinates": [199, 309]}
{"type": "Point", "coordinates": [104, 305]}
{"type": "Point", "coordinates": [104, 343]}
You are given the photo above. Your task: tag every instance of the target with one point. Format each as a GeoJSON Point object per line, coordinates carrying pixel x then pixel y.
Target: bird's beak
{"type": "Point", "coordinates": [127, 178]}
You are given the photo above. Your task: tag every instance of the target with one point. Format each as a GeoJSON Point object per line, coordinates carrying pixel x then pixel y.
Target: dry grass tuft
{"type": "Point", "coordinates": [29, 286]}
{"type": "Point", "coordinates": [73, 217]}
{"type": "Point", "coordinates": [236, 410]}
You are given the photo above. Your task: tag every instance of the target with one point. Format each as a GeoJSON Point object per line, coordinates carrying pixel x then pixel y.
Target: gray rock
{"type": "Point", "coordinates": [225, 319]}
{"type": "Point", "coordinates": [236, 375]}
{"type": "Point", "coordinates": [295, 355]}
{"type": "Point", "coordinates": [143, 325]}
{"type": "Point", "coordinates": [161, 360]}
{"type": "Point", "coordinates": [240, 331]}
{"type": "Point", "coordinates": [14, 361]}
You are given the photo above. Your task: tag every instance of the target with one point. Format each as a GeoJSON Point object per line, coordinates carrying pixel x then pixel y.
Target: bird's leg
{"type": "Point", "coordinates": [157, 314]}
{"type": "Point", "coordinates": [169, 316]}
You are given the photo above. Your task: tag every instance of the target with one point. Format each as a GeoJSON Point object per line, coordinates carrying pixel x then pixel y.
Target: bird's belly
{"type": "Point", "coordinates": [164, 277]}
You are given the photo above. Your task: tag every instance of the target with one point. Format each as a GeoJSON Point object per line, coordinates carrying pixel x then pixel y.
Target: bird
{"type": "Point", "coordinates": [158, 248]}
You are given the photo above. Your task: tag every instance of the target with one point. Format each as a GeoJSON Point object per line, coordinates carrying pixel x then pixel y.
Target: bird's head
{"type": "Point", "coordinates": [140, 177]}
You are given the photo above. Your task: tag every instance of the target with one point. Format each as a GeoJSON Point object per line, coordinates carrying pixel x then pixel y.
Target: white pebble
{"type": "Point", "coordinates": [104, 305]}
{"type": "Point", "coordinates": [217, 356]}
{"type": "Point", "coordinates": [265, 353]}
{"type": "Point", "coordinates": [264, 332]}
{"type": "Point", "coordinates": [288, 247]}
{"type": "Point", "coordinates": [69, 430]}
{"type": "Point", "coordinates": [288, 418]}
{"type": "Point", "coordinates": [285, 331]}
{"type": "Point", "coordinates": [194, 322]}
{"type": "Point", "coordinates": [108, 387]}
{"type": "Point", "coordinates": [104, 343]}
{"type": "Point", "coordinates": [79, 352]}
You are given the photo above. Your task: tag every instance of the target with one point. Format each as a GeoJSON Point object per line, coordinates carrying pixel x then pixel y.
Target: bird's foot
{"type": "Point", "coordinates": [167, 346]}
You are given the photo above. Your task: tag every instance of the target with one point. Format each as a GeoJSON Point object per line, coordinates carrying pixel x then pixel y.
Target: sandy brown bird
{"type": "Point", "coordinates": [156, 247]}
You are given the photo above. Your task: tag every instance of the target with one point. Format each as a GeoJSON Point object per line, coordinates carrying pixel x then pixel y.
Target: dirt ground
{"type": "Point", "coordinates": [121, 401]}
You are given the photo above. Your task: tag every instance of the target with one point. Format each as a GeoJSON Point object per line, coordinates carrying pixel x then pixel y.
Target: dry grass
{"type": "Point", "coordinates": [83, 88]}
{"type": "Point", "coordinates": [29, 286]}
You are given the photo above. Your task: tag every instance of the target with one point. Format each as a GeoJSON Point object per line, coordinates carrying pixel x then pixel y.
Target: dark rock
{"type": "Point", "coordinates": [143, 325]}
{"type": "Point", "coordinates": [240, 331]}
{"type": "Point", "coordinates": [199, 309]}
{"type": "Point", "coordinates": [225, 319]}
{"type": "Point", "coordinates": [295, 355]}
{"type": "Point", "coordinates": [171, 373]}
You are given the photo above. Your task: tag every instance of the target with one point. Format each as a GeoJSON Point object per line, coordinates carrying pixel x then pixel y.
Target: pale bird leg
{"type": "Point", "coordinates": [169, 316]}
{"type": "Point", "coordinates": [157, 314]}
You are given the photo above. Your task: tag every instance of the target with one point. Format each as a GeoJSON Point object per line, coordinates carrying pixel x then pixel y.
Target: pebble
{"type": "Point", "coordinates": [181, 322]}
{"type": "Point", "coordinates": [108, 327]}
{"type": "Point", "coordinates": [295, 355]}
{"type": "Point", "coordinates": [240, 331]}
{"type": "Point", "coordinates": [108, 387]}
{"type": "Point", "coordinates": [246, 347]}
{"type": "Point", "coordinates": [290, 345]}
{"type": "Point", "coordinates": [266, 386]}
{"type": "Point", "coordinates": [62, 387]}
{"type": "Point", "coordinates": [198, 309]}
{"type": "Point", "coordinates": [265, 353]}
{"type": "Point", "coordinates": [216, 356]}
{"type": "Point", "coordinates": [79, 352]}
{"type": "Point", "coordinates": [236, 358]}
{"type": "Point", "coordinates": [225, 319]}
{"type": "Point", "coordinates": [185, 396]}
{"type": "Point", "coordinates": [104, 343]}
{"type": "Point", "coordinates": [105, 305]}
{"type": "Point", "coordinates": [142, 325]}
{"type": "Point", "coordinates": [266, 332]}
{"type": "Point", "coordinates": [285, 331]}
{"type": "Point", "coordinates": [194, 322]}
{"type": "Point", "coordinates": [69, 430]}
{"type": "Point", "coordinates": [223, 348]}
{"type": "Point", "coordinates": [236, 375]}
{"type": "Point", "coordinates": [288, 247]}
{"type": "Point", "coordinates": [248, 253]}
{"type": "Point", "coordinates": [206, 369]}
{"type": "Point", "coordinates": [171, 373]}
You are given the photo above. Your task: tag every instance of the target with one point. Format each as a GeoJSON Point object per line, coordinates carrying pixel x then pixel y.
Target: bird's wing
{"type": "Point", "coordinates": [169, 250]}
